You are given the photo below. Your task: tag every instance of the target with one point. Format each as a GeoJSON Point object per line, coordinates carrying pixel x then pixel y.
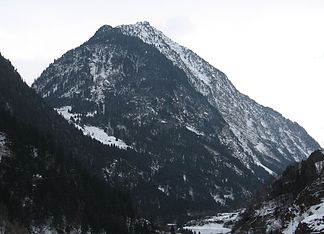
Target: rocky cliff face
{"type": "Point", "coordinates": [209, 145]}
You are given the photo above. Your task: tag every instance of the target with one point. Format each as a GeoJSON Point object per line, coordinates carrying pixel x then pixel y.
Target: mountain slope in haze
{"type": "Point", "coordinates": [293, 203]}
{"type": "Point", "coordinates": [209, 146]}
{"type": "Point", "coordinates": [45, 185]}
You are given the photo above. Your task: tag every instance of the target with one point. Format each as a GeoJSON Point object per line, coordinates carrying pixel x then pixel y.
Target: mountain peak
{"type": "Point", "coordinates": [144, 30]}
{"type": "Point", "coordinates": [103, 29]}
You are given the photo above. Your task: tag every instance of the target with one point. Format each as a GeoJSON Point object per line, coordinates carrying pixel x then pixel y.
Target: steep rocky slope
{"type": "Point", "coordinates": [264, 136]}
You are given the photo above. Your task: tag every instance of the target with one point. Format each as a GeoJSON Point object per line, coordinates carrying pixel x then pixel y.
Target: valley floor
{"type": "Point", "coordinates": [219, 224]}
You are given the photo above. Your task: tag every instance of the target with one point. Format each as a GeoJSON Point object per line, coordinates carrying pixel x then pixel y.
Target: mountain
{"type": "Point", "coordinates": [206, 145]}
{"type": "Point", "coordinates": [48, 177]}
{"type": "Point", "coordinates": [265, 137]}
{"type": "Point", "coordinates": [293, 203]}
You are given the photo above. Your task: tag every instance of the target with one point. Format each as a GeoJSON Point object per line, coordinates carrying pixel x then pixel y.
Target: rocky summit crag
{"type": "Point", "coordinates": [209, 146]}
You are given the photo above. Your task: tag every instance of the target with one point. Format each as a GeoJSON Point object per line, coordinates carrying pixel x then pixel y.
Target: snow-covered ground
{"type": "Point", "coordinates": [100, 135]}
{"type": "Point", "coordinates": [313, 217]}
{"type": "Point", "coordinates": [192, 129]}
{"type": "Point", "coordinates": [210, 228]}
{"type": "Point", "coordinates": [65, 111]}
{"type": "Point", "coordinates": [219, 224]}
{"type": "Point", "coordinates": [92, 131]}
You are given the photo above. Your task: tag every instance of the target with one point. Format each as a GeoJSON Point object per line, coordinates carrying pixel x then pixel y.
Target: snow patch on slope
{"type": "Point", "coordinates": [257, 162]}
{"type": "Point", "coordinates": [192, 129]}
{"type": "Point", "coordinates": [313, 217]}
{"type": "Point", "coordinates": [100, 135]}
{"type": "Point", "coordinates": [92, 131]}
{"type": "Point", "coordinates": [164, 189]}
{"type": "Point", "coordinates": [209, 228]}
{"type": "Point", "coordinates": [218, 199]}
{"type": "Point", "coordinates": [65, 111]}
{"type": "Point", "coordinates": [221, 223]}
{"type": "Point", "coordinates": [316, 220]}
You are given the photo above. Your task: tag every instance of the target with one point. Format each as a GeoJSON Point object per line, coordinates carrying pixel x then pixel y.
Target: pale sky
{"type": "Point", "coordinates": [272, 51]}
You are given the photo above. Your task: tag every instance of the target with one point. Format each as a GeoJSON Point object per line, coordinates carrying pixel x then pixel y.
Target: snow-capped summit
{"type": "Point", "coordinates": [187, 60]}
{"type": "Point", "coordinates": [208, 143]}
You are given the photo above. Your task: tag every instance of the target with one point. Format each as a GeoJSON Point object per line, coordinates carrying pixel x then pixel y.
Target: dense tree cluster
{"type": "Point", "coordinates": [40, 181]}
{"type": "Point", "coordinates": [46, 176]}
{"type": "Point", "coordinates": [296, 177]}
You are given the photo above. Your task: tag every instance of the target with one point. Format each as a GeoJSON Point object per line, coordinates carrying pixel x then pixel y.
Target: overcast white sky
{"type": "Point", "coordinates": [273, 50]}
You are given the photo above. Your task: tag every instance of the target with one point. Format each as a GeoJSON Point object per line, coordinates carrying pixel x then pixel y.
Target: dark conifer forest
{"type": "Point", "coordinates": [42, 179]}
